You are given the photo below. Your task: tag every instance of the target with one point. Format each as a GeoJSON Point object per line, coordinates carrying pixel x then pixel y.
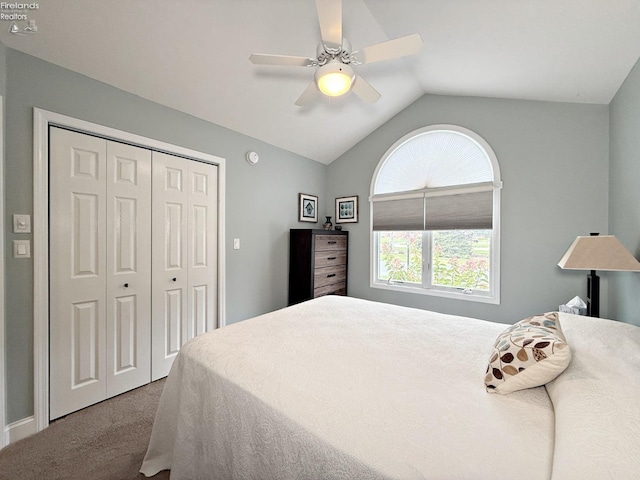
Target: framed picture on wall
{"type": "Point", "coordinates": [347, 209]}
{"type": "Point", "coordinates": [307, 208]}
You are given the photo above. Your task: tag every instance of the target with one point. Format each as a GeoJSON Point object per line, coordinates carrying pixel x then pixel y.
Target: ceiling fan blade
{"type": "Point", "coordinates": [364, 90]}
{"type": "Point", "coordinates": [399, 47]}
{"type": "Point", "coordinates": [330, 19]}
{"type": "Point", "coordinates": [286, 60]}
{"type": "Point", "coordinates": [310, 94]}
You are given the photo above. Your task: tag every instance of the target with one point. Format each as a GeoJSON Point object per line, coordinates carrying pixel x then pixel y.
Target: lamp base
{"type": "Point", "coordinates": [593, 294]}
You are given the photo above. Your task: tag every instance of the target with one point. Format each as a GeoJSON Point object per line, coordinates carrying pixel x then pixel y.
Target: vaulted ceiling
{"type": "Point", "coordinates": [192, 55]}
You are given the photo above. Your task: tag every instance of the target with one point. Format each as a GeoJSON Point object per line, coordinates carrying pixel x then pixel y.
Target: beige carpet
{"type": "Point", "coordinates": [105, 441]}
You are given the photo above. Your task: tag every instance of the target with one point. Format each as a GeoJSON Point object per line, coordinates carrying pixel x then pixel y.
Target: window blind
{"type": "Point", "coordinates": [464, 211]}
{"type": "Point", "coordinates": [399, 214]}
{"type": "Point", "coordinates": [463, 207]}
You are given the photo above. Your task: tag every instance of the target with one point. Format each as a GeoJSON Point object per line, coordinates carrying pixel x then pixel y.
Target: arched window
{"type": "Point", "coordinates": [435, 216]}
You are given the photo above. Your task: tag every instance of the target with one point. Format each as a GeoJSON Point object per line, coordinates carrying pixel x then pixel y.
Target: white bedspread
{"type": "Point", "coordinates": [341, 388]}
{"type": "Point", "coordinates": [597, 402]}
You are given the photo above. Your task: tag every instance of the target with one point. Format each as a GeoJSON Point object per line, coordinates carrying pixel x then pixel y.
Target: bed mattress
{"type": "Point", "coordinates": [338, 388]}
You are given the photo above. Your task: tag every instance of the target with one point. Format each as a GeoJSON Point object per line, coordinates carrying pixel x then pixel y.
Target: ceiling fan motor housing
{"type": "Point", "coordinates": [325, 54]}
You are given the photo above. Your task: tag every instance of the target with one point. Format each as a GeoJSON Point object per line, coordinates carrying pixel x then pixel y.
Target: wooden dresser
{"type": "Point", "coordinates": [317, 264]}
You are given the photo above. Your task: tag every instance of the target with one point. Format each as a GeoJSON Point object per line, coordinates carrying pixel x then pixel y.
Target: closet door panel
{"type": "Point", "coordinates": [169, 263]}
{"type": "Point", "coordinates": [203, 248]}
{"type": "Point", "coordinates": [129, 267]}
{"type": "Point", "coordinates": [78, 272]}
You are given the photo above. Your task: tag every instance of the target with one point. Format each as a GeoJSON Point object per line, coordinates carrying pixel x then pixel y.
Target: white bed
{"type": "Point", "coordinates": [341, 388]}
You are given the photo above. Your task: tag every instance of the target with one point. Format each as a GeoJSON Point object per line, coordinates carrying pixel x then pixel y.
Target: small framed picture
{"type": "Point", "coordinates": [347, 209]}
{"type": "Point", "coordinates": [307, 208]}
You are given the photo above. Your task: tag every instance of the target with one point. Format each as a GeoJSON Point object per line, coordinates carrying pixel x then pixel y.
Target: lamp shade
{"type": "Point", "coordinates": [602, 252]}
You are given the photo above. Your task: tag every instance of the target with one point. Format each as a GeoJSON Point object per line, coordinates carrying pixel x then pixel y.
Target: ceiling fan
{"type": "Point", "coordinates": [334, 58]}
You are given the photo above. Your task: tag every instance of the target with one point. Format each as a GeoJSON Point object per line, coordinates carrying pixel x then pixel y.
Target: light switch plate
{"type": "Point", "coordinates": [21, 249]}
{"type": "Point", "coordinates": [21, 223]}
{"type": "Point", "coordinates": [236, 244]}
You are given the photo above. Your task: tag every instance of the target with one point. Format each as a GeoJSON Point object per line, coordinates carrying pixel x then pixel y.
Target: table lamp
{"type": "Point", "coordinates": [597, 252]}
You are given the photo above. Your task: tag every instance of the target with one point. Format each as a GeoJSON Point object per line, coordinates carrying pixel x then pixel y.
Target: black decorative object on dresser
{"type": "Point", "coordinates": [317, 263]}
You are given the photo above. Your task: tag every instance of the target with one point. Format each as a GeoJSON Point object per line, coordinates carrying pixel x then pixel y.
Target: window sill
{"type": "Point", "coordinates": [469, 297]}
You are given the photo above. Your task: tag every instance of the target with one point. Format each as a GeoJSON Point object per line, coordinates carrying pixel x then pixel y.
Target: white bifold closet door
{"type": "Point", "coordinates": [133, 264]}
{"type": "Point", "coordinates": [185, 263]}
{"type": "Point", "coordinates": [100, 269]}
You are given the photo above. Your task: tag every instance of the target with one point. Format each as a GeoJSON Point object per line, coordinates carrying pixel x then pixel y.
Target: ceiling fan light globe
{"type": "Point", "coordinates": [334, 84]}
{"type": "Point", "coordinates": [334, 79]}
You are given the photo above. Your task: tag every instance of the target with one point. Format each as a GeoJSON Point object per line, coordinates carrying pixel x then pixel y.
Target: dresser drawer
{"type": "Point", "coordinates": [329, 258]}
{"type": "Point", "coordinates": [329, 275]}
{"type": "Point", "coordinates": [331, 242]}
{"type": "Point", "coordinates": [337, 289]}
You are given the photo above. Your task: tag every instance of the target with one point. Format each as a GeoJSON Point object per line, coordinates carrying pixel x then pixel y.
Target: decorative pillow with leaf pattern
{"type": "Point", "coordinates": [528, 354]}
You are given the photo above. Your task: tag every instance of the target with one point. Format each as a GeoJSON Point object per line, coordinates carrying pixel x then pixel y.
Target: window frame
{"type": "Point", "coordinates": [493, 295]}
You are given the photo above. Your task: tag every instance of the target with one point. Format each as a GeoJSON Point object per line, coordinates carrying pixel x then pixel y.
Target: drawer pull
{"type": "Point", "coordinates": [332, 242]}
{"type": "Point", "coordinates": [331, 275]}
{"type": "Point", "coordinates": [331, 258]}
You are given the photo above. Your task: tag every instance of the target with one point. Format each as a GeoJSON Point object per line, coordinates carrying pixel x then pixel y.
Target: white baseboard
{"type": "Point", "coordinates": [18, 430]}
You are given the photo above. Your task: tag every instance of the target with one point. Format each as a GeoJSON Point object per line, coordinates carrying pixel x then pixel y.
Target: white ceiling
{"type": "Point", "coordinates": [192, 55]}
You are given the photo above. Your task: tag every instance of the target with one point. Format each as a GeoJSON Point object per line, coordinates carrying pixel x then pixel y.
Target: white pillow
{"type": "Point", "coordinates": [528, 354]}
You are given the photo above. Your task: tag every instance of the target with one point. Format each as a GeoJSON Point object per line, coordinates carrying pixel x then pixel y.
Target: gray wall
{"type": "Point", "coordinates": [554, 163]}
{"type": "Point", "coordinates": [261, 199]}
{"type": "Point", "coordinates": [624, 197]}
{"type": "Point", "coordinates": [3, 69]}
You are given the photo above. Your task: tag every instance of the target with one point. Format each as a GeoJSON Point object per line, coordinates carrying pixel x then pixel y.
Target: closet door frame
{"type": "Point", "coordinates": [42, 119]}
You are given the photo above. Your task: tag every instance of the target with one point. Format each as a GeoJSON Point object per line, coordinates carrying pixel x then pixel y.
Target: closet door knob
{"type": "Point", "coordinates": [126, 285]}
{"type": "Point", "coordinates": [174, 279]}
